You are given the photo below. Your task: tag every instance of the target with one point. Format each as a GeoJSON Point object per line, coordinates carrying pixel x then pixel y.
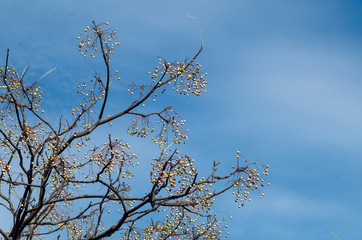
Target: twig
{"type": "Point", "coordinates": [335, 236]}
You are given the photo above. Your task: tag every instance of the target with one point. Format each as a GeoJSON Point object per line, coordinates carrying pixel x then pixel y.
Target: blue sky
{"type": "Point", "coordinates": [285, 83]}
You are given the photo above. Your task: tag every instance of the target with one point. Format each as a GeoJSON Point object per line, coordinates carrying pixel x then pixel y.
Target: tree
{"type": "Point", "coordinates": [54, 184]}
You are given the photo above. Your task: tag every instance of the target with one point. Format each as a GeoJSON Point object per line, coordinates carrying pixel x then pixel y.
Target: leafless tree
{"type": "Point", "coordinates": [55, 185]}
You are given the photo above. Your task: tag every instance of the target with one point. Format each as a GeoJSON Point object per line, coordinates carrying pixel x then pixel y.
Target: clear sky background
{"type": "Point", "coordinates": [285, 84]}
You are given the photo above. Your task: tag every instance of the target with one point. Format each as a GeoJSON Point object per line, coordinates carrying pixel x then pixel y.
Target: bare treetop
{"type": "Point", "coordinates": [55, 183]}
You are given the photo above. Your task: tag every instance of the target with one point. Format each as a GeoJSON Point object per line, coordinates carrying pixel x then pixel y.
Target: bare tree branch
{"type": "Point", "coordinates": [58, 184]}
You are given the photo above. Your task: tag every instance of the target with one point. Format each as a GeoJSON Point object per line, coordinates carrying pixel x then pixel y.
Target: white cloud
{"type": "Point", "coordinates": [310, 93]}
